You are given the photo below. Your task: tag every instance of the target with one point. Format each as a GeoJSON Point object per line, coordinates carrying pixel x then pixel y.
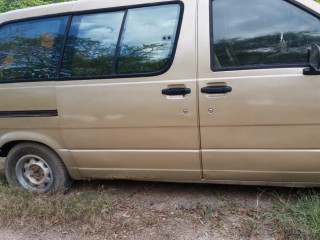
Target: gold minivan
{"type": "Point", "coordinates": [213, 91]}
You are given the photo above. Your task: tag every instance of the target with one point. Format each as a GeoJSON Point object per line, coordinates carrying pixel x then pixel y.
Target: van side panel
{"type": "Point", "coordinates": [126, 127]}
{"type": "Point", "coordinates": [29, 113]}
{"type": "Point", "coordinates": [267, 129]}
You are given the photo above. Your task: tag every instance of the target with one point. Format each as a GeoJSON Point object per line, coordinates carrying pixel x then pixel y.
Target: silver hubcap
{"type": "Point", "coordinates": [34, 173]}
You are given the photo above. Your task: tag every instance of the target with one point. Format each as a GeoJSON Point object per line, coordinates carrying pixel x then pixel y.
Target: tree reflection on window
{"type": "Point", "coordinates": [95, 45]}
{"type": "Point", "coordinates": [92, 44]}
{"type": "Point", "coordinates": [146, 43]}
{"type": "Point", "coordinates": [31, 49]}
{"type": "Point", "coordinates": [261, 33]}
{"type": "Point", "coordinates": [148, 39]}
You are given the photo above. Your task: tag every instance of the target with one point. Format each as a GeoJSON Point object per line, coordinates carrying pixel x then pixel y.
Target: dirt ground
{"type": "Point", "coordinates": [150, 210]}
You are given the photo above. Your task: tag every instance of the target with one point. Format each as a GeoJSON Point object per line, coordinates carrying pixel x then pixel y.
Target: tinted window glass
{"type": "Point", "coordinates": [92, 44]}
{"type": "Point", "coordinates": [31, 49]}
{"type": "Point", "coordinates": [148, 39]}
{"type": "Point", "coordinates": [260, 32]}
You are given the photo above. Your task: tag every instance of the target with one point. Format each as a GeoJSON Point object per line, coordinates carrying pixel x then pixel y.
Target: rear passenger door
{"type": "Point", "coordinates": [268, 127]}
{"type": "Point", "coordinates": [127, 96]}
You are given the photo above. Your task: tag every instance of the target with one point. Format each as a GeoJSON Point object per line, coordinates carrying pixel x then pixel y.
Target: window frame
{"type": "Point", "coordinates": [254, 67]}
{"type": "Point", "coordinates": [70, 16]}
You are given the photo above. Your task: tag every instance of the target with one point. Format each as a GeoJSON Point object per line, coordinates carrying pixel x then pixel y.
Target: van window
{"type": "Point", "coordinates": [91, 44]}
{"type": "Point", "coordinates": [260, 33]}
{"type": "Point", "coordinates": [148, 39]}
{"type": "Point", "coordinates": [31, 49]}
{"type": "Point", "coordinates": [96, 46]}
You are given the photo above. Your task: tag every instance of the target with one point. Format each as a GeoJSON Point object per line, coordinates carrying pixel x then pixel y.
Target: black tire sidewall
{"type": "Point", "coordinates": [60, 175]}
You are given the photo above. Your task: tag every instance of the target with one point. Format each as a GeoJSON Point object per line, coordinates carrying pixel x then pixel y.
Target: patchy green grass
{"type": "Point", "coordinates": [86, 209]}
{"type": "Point", "coordinates": [297, 215]}
{"type": "Point", "coordinates": [280, 213]}
{"type": "Point", "coordinates": [293, 214]}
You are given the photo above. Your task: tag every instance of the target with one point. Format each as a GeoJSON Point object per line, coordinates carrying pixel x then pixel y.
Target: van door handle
{"type": "Point", "coordinates": [176, 91]}
{"type": "Point", "coordinates": [216, 89]}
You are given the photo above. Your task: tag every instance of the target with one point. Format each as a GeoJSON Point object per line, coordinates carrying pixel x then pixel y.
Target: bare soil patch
{"type": "Point", "coordinates": [151, 210]}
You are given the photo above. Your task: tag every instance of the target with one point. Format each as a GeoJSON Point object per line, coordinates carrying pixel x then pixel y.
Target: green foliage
{"type": "Point", "coordinates": [7, 5]}
{"type": "Point", "coordinates": [2, 7]}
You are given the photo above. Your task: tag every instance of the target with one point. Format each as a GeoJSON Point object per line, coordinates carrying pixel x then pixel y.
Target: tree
{"type": "Point", "coordinates": [7, 5]}
{"type": "Point", "coordinates": [2, 8]}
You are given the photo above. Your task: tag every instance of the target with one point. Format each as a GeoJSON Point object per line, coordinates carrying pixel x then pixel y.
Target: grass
{"type": "Point", "coordinates": [293, 215]}
{"type": "Point", "coordinates": [298, 217]}
{"type": "Point", "coordinates": [87, 210]}
{"type": "Point", "coordinates": [289, 215]}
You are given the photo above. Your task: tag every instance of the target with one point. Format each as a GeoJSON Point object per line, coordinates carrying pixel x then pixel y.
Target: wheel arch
{"type": "Point", "coordinates": [9, 140]}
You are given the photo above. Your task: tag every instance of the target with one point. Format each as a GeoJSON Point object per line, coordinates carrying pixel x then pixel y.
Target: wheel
{"type": "Point", "coordinates": [36, 168]}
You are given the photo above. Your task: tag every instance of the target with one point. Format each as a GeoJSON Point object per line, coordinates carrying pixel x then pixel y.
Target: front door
{"type": "Point", "coordinates": [259, 115]}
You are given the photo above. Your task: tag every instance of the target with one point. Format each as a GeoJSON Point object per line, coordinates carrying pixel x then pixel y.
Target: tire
{"type": "Point", "coordinates": [36, 168]}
